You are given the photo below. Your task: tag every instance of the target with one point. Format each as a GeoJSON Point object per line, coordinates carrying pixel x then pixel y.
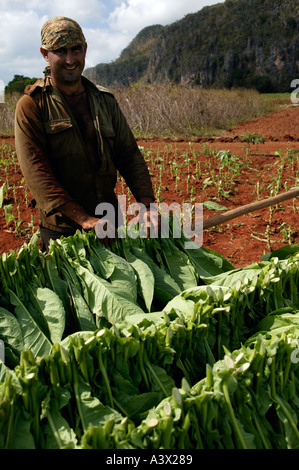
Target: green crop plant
{"type": "Point", "coordinates": [287, 232]}
{"type": "Point", "coordinates": [291, 157]}
{"type": "Point", "coordinates": [15, 193]}
{"type": "Point", "coordinates": [252, 139]}
{"type": "Point", "coordinates": [8, 214]}
{"type": "Point", "coordinates": [148, 344]}
{"type": "Point", "coordinates": [3, 194]}
{"type": "Point", "coordinates": [197, 170]}
{"type": "Point", "coordinates": [172, 166]}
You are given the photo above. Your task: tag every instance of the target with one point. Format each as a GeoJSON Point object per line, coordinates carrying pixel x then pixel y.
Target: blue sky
{"type": "Point", "coordinates": [109, 26]}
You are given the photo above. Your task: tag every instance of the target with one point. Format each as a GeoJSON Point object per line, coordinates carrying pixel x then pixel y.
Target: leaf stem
{"type": "Point", "coordinates": [232, 415]}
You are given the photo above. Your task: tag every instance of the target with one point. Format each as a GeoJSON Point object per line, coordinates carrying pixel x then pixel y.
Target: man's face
{"type": "Point", "coordinates": [66, 63]}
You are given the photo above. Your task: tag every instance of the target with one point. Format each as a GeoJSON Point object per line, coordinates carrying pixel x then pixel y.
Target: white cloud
{"type": "Point", "coordinates": [19, 5]}
{"type": "Point", "coordinates": [104, 46]}
{"type": "Point", "coordinates": [88, 11]}
{"type": "Point", "coordinates": [133, 15]}
{"type": "Point", "coordinates": [19, 48]}
{"type": "Point", "coordinates": [108, 25]}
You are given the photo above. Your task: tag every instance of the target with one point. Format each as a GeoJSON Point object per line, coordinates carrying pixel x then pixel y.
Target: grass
{"type": "Point", "coordinates": [12, 195]}
{"type": "Point", "coordinates": [280, 98]}
{"type": "Point", "coordinates": [7, 111]}
{"type": "Point", "coordinates": [166, 110]}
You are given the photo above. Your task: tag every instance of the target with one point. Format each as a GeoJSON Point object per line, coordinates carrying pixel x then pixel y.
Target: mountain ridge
{"type": "Point", "coordinates": [238, 43]}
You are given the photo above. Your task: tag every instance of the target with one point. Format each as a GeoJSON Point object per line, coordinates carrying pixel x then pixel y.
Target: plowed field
{"type": "Point", "coordinates": [230, 170]}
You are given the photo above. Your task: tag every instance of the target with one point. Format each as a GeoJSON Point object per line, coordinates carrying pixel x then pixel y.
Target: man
{"type": "Point", "coordinates": [72, 138]}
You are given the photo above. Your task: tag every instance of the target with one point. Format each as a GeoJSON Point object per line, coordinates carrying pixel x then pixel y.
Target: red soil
{"type": "Point", "coordinates": [242, 240]}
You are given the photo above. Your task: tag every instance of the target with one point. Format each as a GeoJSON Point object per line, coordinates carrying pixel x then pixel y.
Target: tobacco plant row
{"type": "Point", "coordinates": [147, 345]}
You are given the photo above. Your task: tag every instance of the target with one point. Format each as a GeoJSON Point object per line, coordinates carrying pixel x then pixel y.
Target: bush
{"type": "Point", "coordinates": [168, 110]}
{"type": "Point", "coordinates": [7, 111]}
{"type": "Point", "coordinates": [18, 83]}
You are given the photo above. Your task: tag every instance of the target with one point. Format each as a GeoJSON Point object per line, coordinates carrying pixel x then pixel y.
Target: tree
{"type": "Point", "coordinates": [18, 83]}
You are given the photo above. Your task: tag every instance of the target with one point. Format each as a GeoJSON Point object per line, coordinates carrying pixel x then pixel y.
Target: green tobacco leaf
{"type": "Point", "coordinates": [214, 206]}
{"type": "Point", "coordinates": [122, 276]}
{"type": "Point", "coordinates": [289, 420]}
{"type": "Point", "coordinates": [10, 331]}
{"type": "Point", "coordinates": [85, 318]}
{"type": "Point", "coordinates": [57, 284]}
{"type": "Point", "coordinates": [280, 323]}
{"type": "Point", "coordinates": [248, 437]}
{"type": "Point", "coordinates": [135, 405]}
{"type": "Point", "coordinates": [187, 299]}
{"type": "Point", "coordinates": [52, 309]}
{"type": "Point", "coordinates": [145, 319]}
{"type": "Point", "coordinates": [207, 262]}
{"type": "Point", "coordinates": [230, 278]}
{"type": "Point", "coordinates": [282, 253]}
{"type": "Point", "coordinates": [218, 259]}
{"type": "Point", "coordinates": [102, 267]}
{"type": "Point", "coordinates": [34, 337]}
{"type": "Point", "coordinates": [58, 432]}
{"type": "Point", "coordinates": [129, 397]}
{"type": "Point", "coordinates": [22, 437]}
{"type": "Point", "coordinates": [160, 380]}
{"type": "Point", "coordinates": [104, 298]}
{"type": "Point", "coordinates": [180, 304]}
{"type": "Point", "coordinates": [3, 372]}
{"type": "Point", "coordinates": [123, 280]}
{"type": "Point", "coordinates": [204, 266]}
{"type": "Point", "coordinates": [165, 287]}
{"type": "Point", "coordinates": [92, 411]}
{"type": "Point", "coordinates": [145, 278]}
{"type": "Point", "coordinates": [68, 340]}
{"type": "Point", "coordinates": [179, 266]}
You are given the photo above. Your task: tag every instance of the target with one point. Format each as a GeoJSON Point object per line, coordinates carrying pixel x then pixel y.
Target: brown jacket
{"type": "Point", "coordinates": [53, 157]}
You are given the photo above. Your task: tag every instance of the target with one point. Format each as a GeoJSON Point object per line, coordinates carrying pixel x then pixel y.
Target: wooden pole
{"type": "Point", "coordinates": [254, 206]}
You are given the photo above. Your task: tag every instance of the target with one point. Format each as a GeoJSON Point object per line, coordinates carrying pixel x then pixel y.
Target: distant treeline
{"type": "Point", "coordinates": [18, 83]}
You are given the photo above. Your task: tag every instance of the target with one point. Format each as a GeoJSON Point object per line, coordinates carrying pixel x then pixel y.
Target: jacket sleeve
{"type": "Point", "coordinates": [129, 160]}
{"type": "Point", "coordinates": [31, 145]}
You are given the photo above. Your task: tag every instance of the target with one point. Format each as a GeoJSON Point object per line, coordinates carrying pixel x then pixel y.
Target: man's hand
{"type": "Point", "coordinates": [151, 220]}
{"type": "Point", "coordinates": [89, 223]}
{"type": "Point", "coordinates": [104, 229]}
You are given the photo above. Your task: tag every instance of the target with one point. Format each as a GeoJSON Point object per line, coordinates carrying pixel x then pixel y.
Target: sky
{"type": "Point", "coordinates": [108, 26]}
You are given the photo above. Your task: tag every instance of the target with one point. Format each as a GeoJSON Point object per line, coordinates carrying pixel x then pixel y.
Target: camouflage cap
{"type": "Point", "coordinates": [59, 31]}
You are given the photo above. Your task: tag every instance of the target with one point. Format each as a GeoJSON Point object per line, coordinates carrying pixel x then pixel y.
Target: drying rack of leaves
{"type": "Point", "coordinates": [147, 345]}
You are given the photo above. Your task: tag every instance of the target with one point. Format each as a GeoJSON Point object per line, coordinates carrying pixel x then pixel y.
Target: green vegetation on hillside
{"type": "Point", "coordinates": [238, 43]}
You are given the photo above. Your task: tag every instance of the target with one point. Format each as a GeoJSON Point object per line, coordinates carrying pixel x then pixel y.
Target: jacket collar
{"type": "Point", "coordinates": [45, 84]}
